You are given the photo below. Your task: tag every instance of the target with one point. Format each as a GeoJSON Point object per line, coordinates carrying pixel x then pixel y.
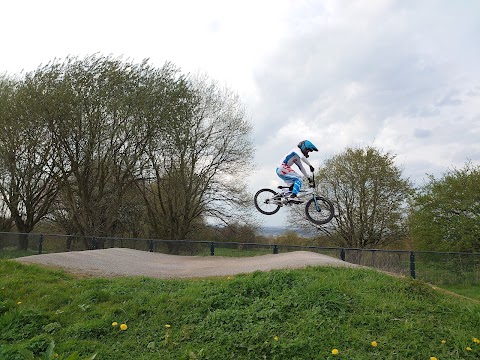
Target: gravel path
{"type": "Point", "coordinates": [127, 262]}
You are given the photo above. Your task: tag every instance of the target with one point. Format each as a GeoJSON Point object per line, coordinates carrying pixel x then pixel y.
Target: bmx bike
{"type": "Point", "coordinates": [318, 209]}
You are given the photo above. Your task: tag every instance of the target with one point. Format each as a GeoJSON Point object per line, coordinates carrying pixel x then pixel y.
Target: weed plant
{"type": "Point", "coordinates": [10, 253]}
{"type": "Point", "coordinates": [313, 313]}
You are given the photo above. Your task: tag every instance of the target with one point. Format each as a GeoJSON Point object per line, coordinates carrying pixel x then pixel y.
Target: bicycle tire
{"type": "Point", "coordinates": [260, 201]}
{"type": "Point", "coordinates": [323, 216]}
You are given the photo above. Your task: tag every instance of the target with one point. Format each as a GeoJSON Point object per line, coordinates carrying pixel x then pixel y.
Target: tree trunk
{"type": "Point", "coordinates": [22, 242]}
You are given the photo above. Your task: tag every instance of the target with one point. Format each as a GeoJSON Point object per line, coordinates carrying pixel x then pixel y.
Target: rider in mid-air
{"type": "Point", "coordinates": [296, 156]}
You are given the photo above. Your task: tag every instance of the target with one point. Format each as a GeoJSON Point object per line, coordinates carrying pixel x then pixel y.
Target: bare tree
{"type": "Point", "coordinates": [198, 162]}
{"type": "Point", "coordinates": [6, 221]}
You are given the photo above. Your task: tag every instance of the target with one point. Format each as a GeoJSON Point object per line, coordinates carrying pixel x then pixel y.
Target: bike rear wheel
{"type": "Point", "coordinates": [319, 210]}
{"type": "Point", "coordinates": [265, 203]}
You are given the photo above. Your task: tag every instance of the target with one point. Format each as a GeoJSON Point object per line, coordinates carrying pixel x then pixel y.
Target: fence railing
{"type": "Point", "coordinates": [433, 267]}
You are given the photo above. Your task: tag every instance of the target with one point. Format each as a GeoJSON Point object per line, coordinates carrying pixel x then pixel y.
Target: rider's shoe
{"type": "Point", "coordinates": [293, 199]}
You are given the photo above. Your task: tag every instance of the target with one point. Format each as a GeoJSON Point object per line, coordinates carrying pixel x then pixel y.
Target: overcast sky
{"type": "Point", "coordinates": [403, 76]}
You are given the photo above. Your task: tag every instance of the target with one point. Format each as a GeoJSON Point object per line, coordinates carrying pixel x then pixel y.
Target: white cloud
{"type": "Point", "coordinates": [401, 75]}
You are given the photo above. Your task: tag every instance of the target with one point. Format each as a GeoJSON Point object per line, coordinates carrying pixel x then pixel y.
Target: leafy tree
{"type": "Point", "coordinates": [103, 113]}
{"type": "Point", "coordinates": [113, 142]}
{"type": "Point", "coordinates": [446, 211]}
{"type": "Point", "coordinates": [369, 195]}
{"type": "Point", "coordinates": [28, 162]}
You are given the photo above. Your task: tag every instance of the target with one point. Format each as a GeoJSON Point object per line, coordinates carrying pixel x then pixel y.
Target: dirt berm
{"type": "Point", "coordinates": [127, 262]}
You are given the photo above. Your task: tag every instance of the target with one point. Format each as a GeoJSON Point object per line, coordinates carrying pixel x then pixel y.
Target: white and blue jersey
{"type": "Point", "coordinates": [287, 174]}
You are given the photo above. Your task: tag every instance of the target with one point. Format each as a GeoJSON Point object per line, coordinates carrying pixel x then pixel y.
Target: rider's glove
{"type": "Point", "coordinates": [312, 169]}
{"type": "Point", "coordinates": [310, 180]}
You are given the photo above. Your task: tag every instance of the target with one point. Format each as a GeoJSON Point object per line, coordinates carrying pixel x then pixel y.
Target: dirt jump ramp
{"type": "Point", "coordinates": [127, 262]}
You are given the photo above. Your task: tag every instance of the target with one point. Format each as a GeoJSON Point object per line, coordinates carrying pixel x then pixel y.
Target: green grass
{"type": "Point", "coordinates": [285, 314]}
{"type": "Point", "coordinates": [471, 291]}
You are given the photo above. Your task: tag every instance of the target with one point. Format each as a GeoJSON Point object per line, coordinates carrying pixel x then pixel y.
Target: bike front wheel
{"type": "Point", "coordinates": [265, 203]}
{"type": "Point", "coordinates": [319, 210]}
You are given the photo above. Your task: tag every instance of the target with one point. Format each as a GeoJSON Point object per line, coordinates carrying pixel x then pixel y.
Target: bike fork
{"type": "Point", "coordinates": [316, 203]}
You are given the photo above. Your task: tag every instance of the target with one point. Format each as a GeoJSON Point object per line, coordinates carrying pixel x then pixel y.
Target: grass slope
{"type": "Point", "coordinates": [287, 314]}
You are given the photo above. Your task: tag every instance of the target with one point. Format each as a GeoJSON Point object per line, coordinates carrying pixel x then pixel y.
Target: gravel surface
{"type": "Point", "coordinates": [127, 262]}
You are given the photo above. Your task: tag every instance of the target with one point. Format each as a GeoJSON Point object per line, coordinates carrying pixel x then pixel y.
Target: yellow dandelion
{"type": "Point", "coordinates": [476, 341]}
{"type": "Point", "coordinates": [433, 358]}
{"type": "Point", "coordinates": [444, 342]}
{"type": "Point", "coordinates": [114, 324]}
{"type": "Point", "coordinates": [469, 348]}
{"type": "Point", "coordinates": [123, 327]}
{"type": "Point", "coordinates": [18, 303]}
{"type": "Point", "coordinates": [275, 338]}
{"type": "Point", "coordinates": [374, 344]}
{"type": "Point", "coordinates": [335, 352]}
{"type": "Point", "coordinates": [167, 326]}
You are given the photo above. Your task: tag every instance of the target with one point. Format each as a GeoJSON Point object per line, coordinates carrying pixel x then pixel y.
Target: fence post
{"type": "Point", "coordinates": [150, 245]}
{"type": "Point", "coordinates": [275, 249]}
{"type": "Point", "coordinates": [342, 254]}
{"type": "Point", "coordinates": [412, 264]}
{"type": "Point", "coordinates": [68, 242]}
{"type": "Point", "coordinates": [40, 244]}
{"type": "Point", "coordinates": [212, 249]}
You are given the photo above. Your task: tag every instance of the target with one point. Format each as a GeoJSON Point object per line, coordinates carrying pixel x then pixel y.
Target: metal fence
{"type": "Point", "coordinates": [433, 267]}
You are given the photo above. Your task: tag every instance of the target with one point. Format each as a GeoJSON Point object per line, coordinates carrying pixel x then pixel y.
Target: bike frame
{"type": "Point", "coordinates": [314, 207]}
{"type": "Point", "coordinates": [304, 193]}
{"type": "Point", "coordinates": [311, 191]}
